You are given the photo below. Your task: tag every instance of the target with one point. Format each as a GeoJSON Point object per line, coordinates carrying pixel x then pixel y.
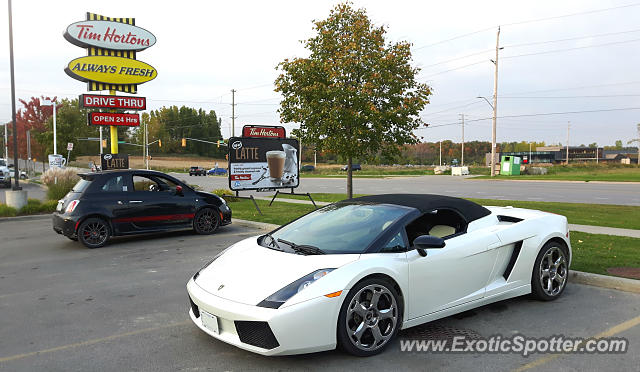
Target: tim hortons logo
{"type": "Point", "coordinates": [263, 132]}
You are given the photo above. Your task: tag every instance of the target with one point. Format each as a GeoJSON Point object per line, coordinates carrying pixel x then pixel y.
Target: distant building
{"type": "Point", "coordinates": [556, 154]}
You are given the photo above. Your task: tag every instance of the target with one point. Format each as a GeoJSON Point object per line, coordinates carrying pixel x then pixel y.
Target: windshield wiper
{"type": "Point", "coordinates": [306, 249]}
{"type": "Point", "coordinates": [274, 242]}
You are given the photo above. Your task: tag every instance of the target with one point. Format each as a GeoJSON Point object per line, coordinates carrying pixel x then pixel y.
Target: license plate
{"type": "Point", "coordinates": [210, 321]}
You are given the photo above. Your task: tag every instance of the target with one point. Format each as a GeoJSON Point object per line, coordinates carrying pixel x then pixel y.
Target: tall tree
{"type": "Point", "coordinates": [355, 95]}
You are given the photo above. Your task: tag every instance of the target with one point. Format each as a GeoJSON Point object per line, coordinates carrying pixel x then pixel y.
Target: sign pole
{"type": "Point", "coordinates": [114, 131]}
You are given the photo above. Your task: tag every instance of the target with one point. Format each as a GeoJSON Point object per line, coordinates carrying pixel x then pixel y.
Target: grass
{"type": "Point", "coordinates": [583, 172]}
{"type": "Point", "coordinates": [278, 213]}
{"type": "Point", "coordinates": [595, 253]}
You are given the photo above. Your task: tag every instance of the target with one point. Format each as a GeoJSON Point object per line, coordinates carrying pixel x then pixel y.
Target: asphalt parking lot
{"type": "Point", "coordinates": [124, 307]}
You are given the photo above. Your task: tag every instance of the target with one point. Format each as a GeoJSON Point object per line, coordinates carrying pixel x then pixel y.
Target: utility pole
{"type": "Point", "coordinates": [495, 106]}
{"type": "Point", "coordinates": [462, 151]}
{"type": "Point", "coordinates": [100, 127]}
{"type": "Point", "coordinates": [233, 112]}
{"type": "Point", "coordinates": [568, 130]}
{"type": "Point", "coordinates": [440, 152]}
{"type": "Point", "coordinates": [639, 145]}
{"type": "Point", "coordinates": [16, 173]}
{"type": "Point", "coordinates": [28, 152]}
{"type": "Point", "coordinates": [6, 143]}
{"type": "Point", "coordinates": [530, 160]}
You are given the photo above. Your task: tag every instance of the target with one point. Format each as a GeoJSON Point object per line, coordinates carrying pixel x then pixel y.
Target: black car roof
{"type": "Point", "coordinates": [427, 203]}
{"type": "Point", "coordinates": [120, 171]}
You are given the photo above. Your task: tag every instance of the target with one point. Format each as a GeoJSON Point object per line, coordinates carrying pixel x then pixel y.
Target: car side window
{"type": "Point", "coordinates": [114, 184]}
{"type": "Point", "coordinates": [153, 184]}
{"type": "Point", "coordinates": [395, 244]}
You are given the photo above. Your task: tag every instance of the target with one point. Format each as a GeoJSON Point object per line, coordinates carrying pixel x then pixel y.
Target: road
{"type": "Point", "coordinates": [124, 307]}
{"type": "Point", "coordinates": [34, 191]}
{"type": "Point", "coordinates": [572, 192]}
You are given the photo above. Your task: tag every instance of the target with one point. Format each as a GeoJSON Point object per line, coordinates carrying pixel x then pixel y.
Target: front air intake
{"type": "Point", "coordinates": [256, 333]}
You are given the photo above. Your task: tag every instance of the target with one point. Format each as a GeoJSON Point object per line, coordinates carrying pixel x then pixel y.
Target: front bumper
{"type": "Point", "coordinates": [305, 327]}
{"type": "Point", "coordinates": [65, 225]}
{"type": "Point", "coordinates": [226, 215]}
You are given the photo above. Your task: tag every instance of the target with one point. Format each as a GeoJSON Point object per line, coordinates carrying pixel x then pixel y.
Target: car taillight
{"type": "Point", "coordinates": [72, 206]}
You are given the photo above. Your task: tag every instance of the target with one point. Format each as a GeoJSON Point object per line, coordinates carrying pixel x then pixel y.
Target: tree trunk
{"type": "Point", "coordinates": [349, 178]}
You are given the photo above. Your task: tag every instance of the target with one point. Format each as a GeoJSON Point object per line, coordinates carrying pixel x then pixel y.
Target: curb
{"type": "Point", "coordinates": [258, 225]}
{"type": "Point", "coordinates": [604, 281]}
{"type": "Point", "coordinates": [26, 218]}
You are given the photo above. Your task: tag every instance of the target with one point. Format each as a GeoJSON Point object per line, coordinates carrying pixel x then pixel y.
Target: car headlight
{"type": "Point", "coordinates": [280, 297]}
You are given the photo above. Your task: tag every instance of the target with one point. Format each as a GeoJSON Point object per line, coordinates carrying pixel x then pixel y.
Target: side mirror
{"type": "Point", "coordinates": [179, 190]}
{"type": "Point", "coordinates": [427, 241]}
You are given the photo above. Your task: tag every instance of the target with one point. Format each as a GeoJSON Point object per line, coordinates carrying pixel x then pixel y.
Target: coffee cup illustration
{"type": "Point", "coordinates": [275, 162]}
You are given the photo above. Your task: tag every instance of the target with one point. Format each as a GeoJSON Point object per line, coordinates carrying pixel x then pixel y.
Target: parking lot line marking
{"type": "Point", "coordinates": [608, 333]}
{"type": "Point", "coordinates": [90, 342]}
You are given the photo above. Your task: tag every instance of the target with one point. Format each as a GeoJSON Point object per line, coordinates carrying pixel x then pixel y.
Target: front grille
{"type": "Point", "coordinates": [194, 308]}
{"type": "Point", "coordinates": [256, 333]}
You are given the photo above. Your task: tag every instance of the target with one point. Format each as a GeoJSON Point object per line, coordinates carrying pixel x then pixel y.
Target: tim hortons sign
{"type": "Point", "coordinates": [112, 45]}
{"type": "Point", "coordinates": [111, 70]}
{"type": "Point", "coordinates": [112, 102]}
{"type": "Point", "coordinates": [263, 131]}
{"type": "Point", "coordinates": [109, 35]}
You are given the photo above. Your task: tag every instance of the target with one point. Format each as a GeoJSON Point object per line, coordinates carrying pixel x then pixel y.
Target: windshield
{"type": "Point", "coordinates": [339, 228]}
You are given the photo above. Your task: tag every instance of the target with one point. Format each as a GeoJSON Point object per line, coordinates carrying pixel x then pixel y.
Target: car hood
{"type": "Point", "coordinates": [248, 273]}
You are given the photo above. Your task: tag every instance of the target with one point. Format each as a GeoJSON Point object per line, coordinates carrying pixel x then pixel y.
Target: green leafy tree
{"type": "Point", "coordinates": [356, 95]}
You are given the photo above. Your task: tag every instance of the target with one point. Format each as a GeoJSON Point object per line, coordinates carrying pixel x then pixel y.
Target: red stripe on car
{"type": "Point", "coordinates": [166, 217]}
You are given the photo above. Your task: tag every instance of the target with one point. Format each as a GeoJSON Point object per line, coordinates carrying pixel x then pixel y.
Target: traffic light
{"type": "Point", "coordinates": [104, 143]}
{"type": "Point", "coordinates": [159, 143]}
{"type": "Point", "coordinates": [184, 142]}
{"type": "Point", "coordinates": [218, 143]}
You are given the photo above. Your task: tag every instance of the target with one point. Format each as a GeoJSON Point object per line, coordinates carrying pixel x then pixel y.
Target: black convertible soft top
{"type": "Point", "coordinates": [427, 203]}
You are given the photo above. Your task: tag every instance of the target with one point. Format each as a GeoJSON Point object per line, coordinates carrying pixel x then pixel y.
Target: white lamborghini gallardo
{"type": "Point", "coordinates": [354, 273]}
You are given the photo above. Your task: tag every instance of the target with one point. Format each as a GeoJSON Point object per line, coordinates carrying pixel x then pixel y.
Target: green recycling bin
{"type": "Point", "coordinates": [510, 166]}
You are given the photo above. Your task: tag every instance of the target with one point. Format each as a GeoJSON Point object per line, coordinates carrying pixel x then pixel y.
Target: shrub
{"type": "Point", "coordinates": [35, 206]}
{"type": "Point", "coordinates": [59, 182]}
{"type": "Point", "coordinates": [221, 192]}
{"type": "Point", "coordinates": [7, 211]}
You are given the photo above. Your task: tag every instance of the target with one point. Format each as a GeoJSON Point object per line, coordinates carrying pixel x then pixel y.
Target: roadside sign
{"type": "Point", "coordinates": [114, 161]}
{"type": "Point", "coordinates": [113, 118]}
{"type": "Point", "coordinates": [263, 163]}
{"type": "Point", "coordinates": [264, 131]}
{"type": "Point", "coordinates": [112, 102]}
{"type": "Point", "coordinates": [70, 146]}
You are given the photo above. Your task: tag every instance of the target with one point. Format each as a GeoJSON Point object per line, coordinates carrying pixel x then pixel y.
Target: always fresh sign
{"type": "Point", "coordinates": [109, 35]}
{"type": "Point", "coordinates": [112, 70]}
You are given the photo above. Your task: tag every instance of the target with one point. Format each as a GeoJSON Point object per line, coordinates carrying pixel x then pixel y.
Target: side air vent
{"type": "Point", "coordinates": [512, 260]}
{"type": "Point", "coordinates": [509, 219]}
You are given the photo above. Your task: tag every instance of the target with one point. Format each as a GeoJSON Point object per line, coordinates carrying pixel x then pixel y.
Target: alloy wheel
{"type": "Point", "coordinates": [553, 271]}
{"type": "Point", "coordinates": [95, 233]}
{"type": "Point", "coordinates": [372, 317]}
{"type": "Point", "coordinates": [207, 221]}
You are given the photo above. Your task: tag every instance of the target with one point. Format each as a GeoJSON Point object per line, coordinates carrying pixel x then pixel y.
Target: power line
{"type": "Point", "coordinates": [569, 97]}
{"type": "Point", "coordinates": [571, 38]}
{"type": "Point", "coordinates": [536, 114]}
{"type": "Point", "coordinates": [569, 49]}
{"type": "Point", "coordinates": [453, 108]}
{"type": "Point", "coordinates": [528, 21]}
{"type": "Point", "coordinates": [574, 88]}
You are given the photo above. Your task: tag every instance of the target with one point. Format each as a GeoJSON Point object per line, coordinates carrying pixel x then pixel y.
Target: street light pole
{"type": "Point", "coordinates": [440, 152]}
{"type": "Point", "coordinates": [495, 106]}
{"type": "Point", "coordinates": [16, 173]}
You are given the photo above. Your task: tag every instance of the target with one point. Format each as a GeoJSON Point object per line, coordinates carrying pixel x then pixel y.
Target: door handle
{"type": "Point", "coordinates": [135, 201]}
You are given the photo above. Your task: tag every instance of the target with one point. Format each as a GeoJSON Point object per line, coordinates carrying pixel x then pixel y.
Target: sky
{"type": "Point", "coordinates": [563, 57]}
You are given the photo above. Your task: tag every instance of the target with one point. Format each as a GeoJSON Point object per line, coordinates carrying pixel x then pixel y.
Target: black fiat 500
{"type": "Point", "coordinates": [125, 202]}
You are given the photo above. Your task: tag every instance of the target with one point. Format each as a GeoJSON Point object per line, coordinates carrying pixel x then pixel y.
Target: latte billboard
{"type": "Point", "coordinates": [263, 163]}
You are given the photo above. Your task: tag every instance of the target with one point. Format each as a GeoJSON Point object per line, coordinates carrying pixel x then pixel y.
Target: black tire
{"type": "Point", "coordinates": [550, 271]}
{"type": "Point", "coordinates": [351, 319]}
{"type": "Point", "coordinates": [94, 232]}
{"type": "Point", "coordinates": [206, 221]}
